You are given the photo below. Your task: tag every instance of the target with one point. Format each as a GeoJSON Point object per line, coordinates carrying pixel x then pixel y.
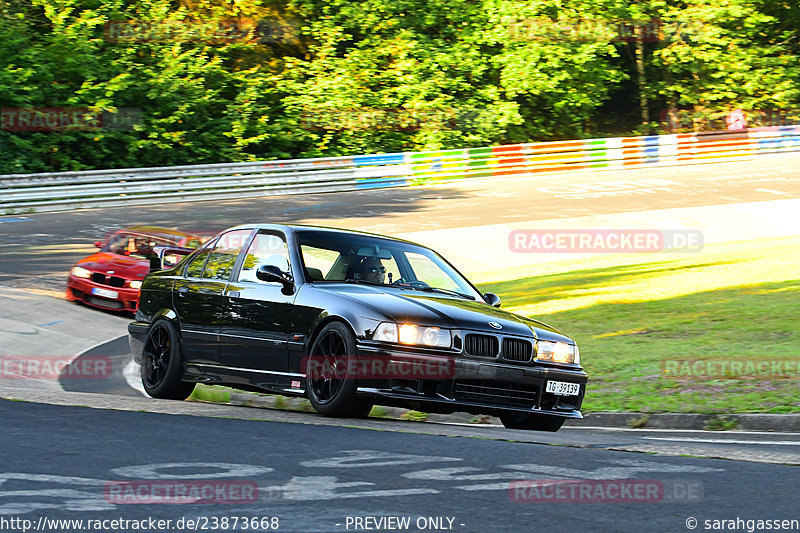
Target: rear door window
{"type": "Point", "coordinates": [221, 261]}
{"type": "Point", "coordinates": [266, 249]}
{"type": "Point", "coordinates": [195, 267]}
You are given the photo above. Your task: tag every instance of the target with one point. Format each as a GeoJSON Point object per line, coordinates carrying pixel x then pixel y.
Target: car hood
{"type": "Point", "coordinates": [429, 309]}
{"type": "Point", "coordinates": [123, 266]}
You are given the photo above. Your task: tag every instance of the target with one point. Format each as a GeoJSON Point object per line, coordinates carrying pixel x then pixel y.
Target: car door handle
{"type": "Point", "coordinates": [182, 290]}
{"type": "Point", "coordinates": [233, 294]}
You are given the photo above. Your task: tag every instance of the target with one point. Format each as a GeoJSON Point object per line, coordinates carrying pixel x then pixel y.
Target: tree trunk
{"type": "Point", "coordinates": [643, 103]}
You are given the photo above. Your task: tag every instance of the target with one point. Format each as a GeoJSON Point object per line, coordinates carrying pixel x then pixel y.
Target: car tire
{"type": "Point", "coordinates": [162, 364]}
{"type": "Point", "coordinates": [532, 422]}
{"type": "Point", "coordinates": [334, 393]}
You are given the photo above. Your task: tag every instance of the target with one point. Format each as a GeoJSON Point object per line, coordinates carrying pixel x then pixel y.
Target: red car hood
{"type": "Point", "coordinates": [123, 266]}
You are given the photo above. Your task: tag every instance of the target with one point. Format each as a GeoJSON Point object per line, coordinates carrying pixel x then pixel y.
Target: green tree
{"type": "Point", "coordinates": [218, 81]}
{"type": "Point", "coordinates": [726, 55]}
{"type": "Point", "coordinates": [557, 63]}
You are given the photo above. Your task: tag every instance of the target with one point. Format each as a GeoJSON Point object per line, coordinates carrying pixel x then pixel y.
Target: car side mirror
{"type": "Point", "coordinates": [492, 299]}
{"type": "Point", "coordinates": [98, 244]}
{"type": "Point", "coordinates": [164, 257]}
{"type": "Point", "coordinates": [272, 273]}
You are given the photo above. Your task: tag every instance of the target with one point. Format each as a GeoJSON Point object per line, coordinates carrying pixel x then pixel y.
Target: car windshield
{"type": "Point", "coordinates": [337, 257]}
{"type": "Point", "coordinates": [141, 245]}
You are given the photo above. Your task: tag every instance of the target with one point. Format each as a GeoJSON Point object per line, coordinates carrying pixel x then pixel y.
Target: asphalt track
{"type": "Point", "coordinates": [314, 473]}
{"type": "Point", "coordinates": [118, 353]}
{"type": "Point", "coordinates": [48, 244]}
{"type": "Point", "coordinates": [315, 477]}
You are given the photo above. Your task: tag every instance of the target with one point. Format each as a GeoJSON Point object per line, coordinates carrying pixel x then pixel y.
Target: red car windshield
{"type": "Point", "coordinates": [141, 244]}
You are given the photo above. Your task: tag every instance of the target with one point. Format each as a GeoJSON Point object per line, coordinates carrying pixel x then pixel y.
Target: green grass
{"type": "Point", "coordinates": [378, 411]}
{"type": "Point", "coordinates": [415, 416]}
{"type": "Point", "coordinates": [631, 314]}
{"type": "Point", "coordinates": [210, 393]}
{"type": "Point", "coordinates": [721, 423]}
{"type": "Point", "coordinates": [281, 402]}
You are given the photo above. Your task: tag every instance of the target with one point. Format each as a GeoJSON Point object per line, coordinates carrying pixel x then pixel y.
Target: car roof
{"type": "Point", "coordinates": [301, 227]}
{"type": "Point", "coordinates": [155, 230]}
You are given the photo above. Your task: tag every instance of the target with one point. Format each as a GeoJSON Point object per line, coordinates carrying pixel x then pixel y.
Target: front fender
{"type": "Point", "coordinates": [139, 329]}
{"type": "Point", "coordinates": [314, 309]}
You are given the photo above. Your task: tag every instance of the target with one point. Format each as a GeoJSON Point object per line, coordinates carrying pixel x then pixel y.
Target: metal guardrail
{"type": "Point", "coordinates": [57, 191]}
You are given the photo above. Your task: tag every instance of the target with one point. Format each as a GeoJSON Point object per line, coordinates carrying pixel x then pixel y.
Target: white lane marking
{"type": "Point", "coordinates": [311, 488]}
{"type": "Point", "coordinates": [132, 375]}
{"type": "Point", "coordinates": [315, 488]}
{"type": "Point", "coordinates": [467, 424]}
{"type": "Point", "coordinates": [298, 488]}
{"type": "Point", "coordinates": [228, 470]}
{"type": "Point", "coordinates": [73, 499]}
{"type": "Point", "coordinates": [499, 480]}
{"type": "Point", "coordinates": [771, 191]}
{"type": "Point", "coordinates": [50, 478]}
{"type": "Point", "coordinates": [660, 430]}
{"type": "Point", "coordinates": [729, 441]}
{"type": "Point", "coordinates": [373, 458]}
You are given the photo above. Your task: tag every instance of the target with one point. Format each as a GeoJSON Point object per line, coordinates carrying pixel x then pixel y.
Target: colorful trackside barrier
{"type": "Point", "coordinates": [619, 152]}
{"type": "Point", "coordinates": [55, 191]}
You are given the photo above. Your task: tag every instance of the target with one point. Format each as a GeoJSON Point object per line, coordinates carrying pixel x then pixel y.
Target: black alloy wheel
{"type": "Point", "coordinates": [162, 364]}
{"type": "Point", "coordinates": [330, 388]}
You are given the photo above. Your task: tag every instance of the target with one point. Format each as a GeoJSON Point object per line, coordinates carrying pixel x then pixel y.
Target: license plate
{"type": "Point", "coordinates": [562, 388]}
{"type": "Point", "coordinates": [105, 293]}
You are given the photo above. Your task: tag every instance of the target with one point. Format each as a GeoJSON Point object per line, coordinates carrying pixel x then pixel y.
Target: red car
{"type": "Point", "coordinates": [111, 278]}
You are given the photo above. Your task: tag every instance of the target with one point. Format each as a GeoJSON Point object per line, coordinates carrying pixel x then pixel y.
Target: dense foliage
{"type": "Point", "coordinates": [195, 81]}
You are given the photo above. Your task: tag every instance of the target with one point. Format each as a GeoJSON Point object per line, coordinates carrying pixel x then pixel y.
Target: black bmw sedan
{"type": "Point", "coordinates": [348, 320]}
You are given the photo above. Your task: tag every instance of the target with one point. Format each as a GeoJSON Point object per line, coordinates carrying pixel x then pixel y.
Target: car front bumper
{"type": "Point", "coordinates": [474, 386]}
{"type": "Point", "coordinates": [137, 334]}
{"type": "Point", "coordinates": [80, 289]}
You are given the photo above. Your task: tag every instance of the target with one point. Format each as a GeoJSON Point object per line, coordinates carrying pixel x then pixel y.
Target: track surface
{"type": "Point", "coordinates": [313, 477]}
{"type": "Point", "coordinates": [50, 243]}
{"type": "Point", "coordinates": [313, 473]}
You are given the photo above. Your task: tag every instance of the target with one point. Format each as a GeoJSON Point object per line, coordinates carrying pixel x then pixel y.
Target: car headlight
{"type": "Point", "coordinates": [558, 352]}
{"type": "Point", "coordinates": [80, 272]}
{"type": "Point", "coordinates": [135, 284]}
{"type": "Point", "coordinates": [412, 334]}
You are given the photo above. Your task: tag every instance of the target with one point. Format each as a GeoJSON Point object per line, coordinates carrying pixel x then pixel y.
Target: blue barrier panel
{"type": "Point", "coordinates": [377, 183]}
{"type": "Point", "coordinates": [651, 154]}
{"type": "Point", "coordinates": [773, 142]}
{"type": "Point", "coordinates": [387, 159]}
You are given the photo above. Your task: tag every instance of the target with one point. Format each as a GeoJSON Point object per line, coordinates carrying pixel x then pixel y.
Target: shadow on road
{"type": "Point", "coordinates": [53, 242]}
{"type": "Point", "coordinates": [89, 373]}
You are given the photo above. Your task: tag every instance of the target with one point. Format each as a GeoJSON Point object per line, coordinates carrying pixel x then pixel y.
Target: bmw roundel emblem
{"type": "Point", "coordinates": [495, 325]}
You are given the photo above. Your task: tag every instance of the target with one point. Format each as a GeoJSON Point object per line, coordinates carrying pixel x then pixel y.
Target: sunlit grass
{"type": "Point", "coordinates": [210, 393]}
{"type": "Point", "coordinates": [737, 300]}
{"type": "Point", "coordinates": [578, 284]}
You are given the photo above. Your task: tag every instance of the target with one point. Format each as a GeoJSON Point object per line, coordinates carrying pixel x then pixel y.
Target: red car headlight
{"type": "Point", "coordinates": [80, 272]}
